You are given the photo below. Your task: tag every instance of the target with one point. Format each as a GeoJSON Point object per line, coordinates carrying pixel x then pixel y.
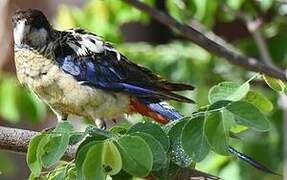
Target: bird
{"type": "Point", "coordinates": [76, 72]}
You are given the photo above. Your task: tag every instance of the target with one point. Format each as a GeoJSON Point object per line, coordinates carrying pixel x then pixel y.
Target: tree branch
{"type": "Point", "coordinates": [17, 140]}
{"type": "Point", "coordinates": [189, 32]}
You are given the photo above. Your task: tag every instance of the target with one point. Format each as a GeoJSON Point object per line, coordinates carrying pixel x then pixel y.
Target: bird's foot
{"type": "Point", "coordinates": [101, 124]}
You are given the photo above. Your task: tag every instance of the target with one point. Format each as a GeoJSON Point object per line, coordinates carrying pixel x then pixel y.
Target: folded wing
{"type": "Point", "coordinates": [107, 69]}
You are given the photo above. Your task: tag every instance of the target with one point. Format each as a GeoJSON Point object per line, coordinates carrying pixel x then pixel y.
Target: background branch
{"type": "Point", "coordinates": [191, 33]}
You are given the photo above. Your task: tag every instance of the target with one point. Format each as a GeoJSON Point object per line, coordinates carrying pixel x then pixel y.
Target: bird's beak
{"type": "Point", "coordinates": [21, 29]}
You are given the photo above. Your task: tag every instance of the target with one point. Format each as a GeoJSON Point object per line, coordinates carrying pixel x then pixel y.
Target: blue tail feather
{"type": "Point", "coordinates": [165, 110]}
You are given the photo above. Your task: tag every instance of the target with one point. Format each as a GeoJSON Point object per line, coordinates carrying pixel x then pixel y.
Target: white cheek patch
{"type": "Point", "coordinates": [20, 31]}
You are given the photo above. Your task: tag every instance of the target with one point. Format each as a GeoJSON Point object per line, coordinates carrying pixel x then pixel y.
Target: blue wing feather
{"type": "Point", "coordinates": [108, 69]}
{"type": "Point", "coordinates": [101, 71]}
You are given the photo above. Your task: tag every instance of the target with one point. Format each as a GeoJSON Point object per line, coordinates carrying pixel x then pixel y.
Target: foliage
{"type": "Point", "coordinates": [178, 61]}
{"type": "Point", "coordinates": [147, 148]}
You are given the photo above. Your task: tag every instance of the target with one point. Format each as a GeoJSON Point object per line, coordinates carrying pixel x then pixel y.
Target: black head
{"type": "Point", "coordinates": [31, 28]}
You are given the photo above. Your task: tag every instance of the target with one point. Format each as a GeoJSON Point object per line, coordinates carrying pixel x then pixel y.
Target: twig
{"type": "Point", "coordinates": [17, 140]}
{"type": "Point", "coordinates": [197, 37]}
{"type": "Point", "coordinates": [253, 27]}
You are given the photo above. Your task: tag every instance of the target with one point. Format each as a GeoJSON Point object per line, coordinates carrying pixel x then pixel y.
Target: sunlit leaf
{"type": "Point", "coordinates": [259, 100]}
{"type": "Point", "coordinates": [273, 83]}
{"type": "Point", "coordinates": [111, 158]}
{"type": "Point", "coordinates": [92, 166]}
{"type": "Point", "coordinates": [118, 129]}
{"type": "Point", "coordinates": [238, 128]}
{"type": "Point", "coordinates": [227, 91]}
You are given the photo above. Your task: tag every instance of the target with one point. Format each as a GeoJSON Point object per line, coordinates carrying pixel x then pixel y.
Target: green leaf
{"type": "Point", "coordinates": [31, 158]}
{"type": "Point", "coordinates": [32, 177]}
{"type": "Point", "coordinates": [136, 155]}
{"type": "Point", "coordinates": [240, 92]}
{"type": "Point", "coordinates": [216, 133]}
{"type": "Point", "coordinates": [92, 166]}
{"type": "Point", "coordinates": [55, 149]}
{"type": "Point", "coordinates": [193, 140]}
{"type": "Point", "coordinates": [259, 100]}
{"type": "Point", "coordinates": [219, 105]}
{"type": "Point", "coordinates": [64, 127]}
{"type": "Point", "coordinates": [228, 91]}
{"type": "Point", "coordinates": [228, 120]}
{"type": "Point", "coordinates": [96, 132]}
{"type": "Point", "coordinates": [59, 175]}
{"type": "Point", "coordinates": [81, 155]}
{"type": "Point", "coordinates": [169, 172]}
{"type": "Point", "coordinates": [275, 84]}
{"type": "Point", "coordinates": [153, 129]}
{"type": "Point", "coordinates": [111, 158]}
{"type": "Point", "coordinates": [54, 145]}
{"type": "Point", "coordinates": [174, 131]}
{"type": "Point", "coordinates": [41, 147]}
{"type": "Point", "coordinates": [238, 128]}
{"type": "Point", "coordinates": [118, 129]}
{"type": "Point", "coordinates": [76, 138]}
{"type": "Point", "coordinates": [160, 160]}
{"type": "Point", "coordinates": [249, 115]}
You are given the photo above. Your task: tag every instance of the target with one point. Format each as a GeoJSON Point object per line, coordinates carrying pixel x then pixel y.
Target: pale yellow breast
{"type": "Point", "coordinates": [62, 92]}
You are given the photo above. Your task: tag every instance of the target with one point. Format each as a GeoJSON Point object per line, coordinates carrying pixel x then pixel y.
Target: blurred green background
{"type": "Point", "coordinates": [151, 44]}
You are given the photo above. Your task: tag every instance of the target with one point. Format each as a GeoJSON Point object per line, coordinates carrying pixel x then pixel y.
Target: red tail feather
{"type": "Point", "coordinates": [144, 110]}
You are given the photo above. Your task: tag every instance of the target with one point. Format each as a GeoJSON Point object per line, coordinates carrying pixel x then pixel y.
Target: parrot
{"type": "Point", "coordinates": [76, 72]}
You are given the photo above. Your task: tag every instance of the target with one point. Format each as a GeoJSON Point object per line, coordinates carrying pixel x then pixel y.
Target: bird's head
{"type": "Point", "coordinates": [31, 28]}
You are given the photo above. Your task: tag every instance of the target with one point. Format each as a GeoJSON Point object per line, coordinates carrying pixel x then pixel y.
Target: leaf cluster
{"type": "Point", "coordinates": [150, 149]}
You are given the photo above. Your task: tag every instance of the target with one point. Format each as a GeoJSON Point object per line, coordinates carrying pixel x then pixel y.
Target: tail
{"type": "Point", "coordinates": [164, 113]}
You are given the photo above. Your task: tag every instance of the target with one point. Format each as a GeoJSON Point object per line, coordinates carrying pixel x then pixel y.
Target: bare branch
{"type": "Point", "coordinates": [17, 140]}
{"type": "Point", "coordinates": [197, 37]}
{"type": "Point", "coordinates": [253, 27]}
